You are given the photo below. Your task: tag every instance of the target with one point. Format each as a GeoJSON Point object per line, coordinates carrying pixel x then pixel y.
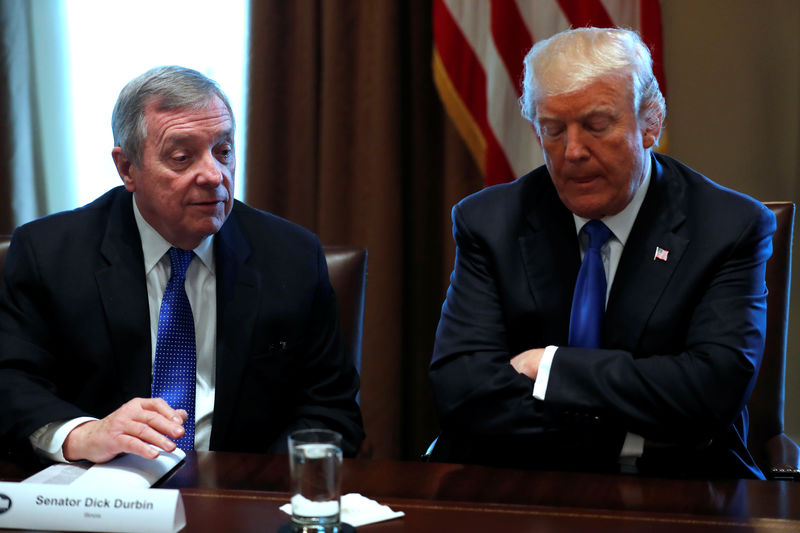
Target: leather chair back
{"type": "Point", "coordinates": [767, 400]}
{"type": "Point", "coordinates": [347, 269]}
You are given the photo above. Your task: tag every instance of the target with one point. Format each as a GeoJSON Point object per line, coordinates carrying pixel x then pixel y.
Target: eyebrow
{"type": "Point", "coordinates": [600, 110]}
{"type": "Point", "coordinates": [227, 134]}
{"type": "Point", "coordinates": [180, 139]}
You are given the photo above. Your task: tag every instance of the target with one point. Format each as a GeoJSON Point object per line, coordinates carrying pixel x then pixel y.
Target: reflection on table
{"type": "Point", "coordinates": [242, 492]}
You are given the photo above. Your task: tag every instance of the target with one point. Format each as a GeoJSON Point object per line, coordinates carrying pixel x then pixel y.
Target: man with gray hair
{"type": "Point", "coordinates": [166, 313]}
{"type": "Point", "coordinates": [607, 310]}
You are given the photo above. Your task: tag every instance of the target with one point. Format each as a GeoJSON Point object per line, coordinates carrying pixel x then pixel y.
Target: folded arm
{"type": "Point", "coordinates": [690, 389]}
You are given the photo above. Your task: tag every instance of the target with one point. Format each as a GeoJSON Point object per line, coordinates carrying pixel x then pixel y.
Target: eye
{"type": "Point", "coordinates": [598, 123]}
{"type": "Point", "coordinates": [225, 152]}
{"type": "Point", "coordinates": [551, 129]}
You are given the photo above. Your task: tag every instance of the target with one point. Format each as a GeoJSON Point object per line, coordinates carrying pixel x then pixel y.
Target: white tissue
{"type": "Point", "coordinates": [358, 510]}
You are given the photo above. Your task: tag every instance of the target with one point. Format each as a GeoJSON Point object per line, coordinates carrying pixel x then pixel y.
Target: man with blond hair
{"type": "Point", "coordinates": [607, 310]}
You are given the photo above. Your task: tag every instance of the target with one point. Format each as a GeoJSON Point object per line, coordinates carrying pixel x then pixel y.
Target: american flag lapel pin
{"type": "Point", "coordinates": [661, 254]}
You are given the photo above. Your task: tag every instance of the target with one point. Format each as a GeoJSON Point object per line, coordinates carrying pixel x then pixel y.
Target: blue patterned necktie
{"type": "Point", "coordinates": [174, 369]}
{"type": "Point", "coordinates": [589, 300]}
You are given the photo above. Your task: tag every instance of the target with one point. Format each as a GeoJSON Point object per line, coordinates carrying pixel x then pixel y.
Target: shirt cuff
{"type": "Point", "coordinates": [633, 446]}
{"type": "Point", "coordinates": [48, 440]}
{"type": "Point", "coordinates": [543, 373]}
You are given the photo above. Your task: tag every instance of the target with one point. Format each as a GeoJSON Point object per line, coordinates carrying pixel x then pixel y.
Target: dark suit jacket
{"type": "Point", "coordinates": [75, 328]}
{"type": "Point", "coordinates": [682, 338]}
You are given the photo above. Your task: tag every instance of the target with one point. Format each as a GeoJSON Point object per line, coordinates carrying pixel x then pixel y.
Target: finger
{"type": "Point", "coordinates": [158, 423]}
{"type": "Point", "coordinates": [160, 406]}
{"type": "Point", "coordinates": [148, 434]}
{"type": "Point", "coordinates": [130, 444]}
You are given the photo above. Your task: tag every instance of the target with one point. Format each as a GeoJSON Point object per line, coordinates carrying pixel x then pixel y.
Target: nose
{"type": "Point", "coordinates": [209, 171]}
{"type": "Point", "coordinates": [575, 148]}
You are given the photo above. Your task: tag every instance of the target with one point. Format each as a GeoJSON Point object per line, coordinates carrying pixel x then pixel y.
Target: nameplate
{"type": "Point", "coordinates": [83, 508]}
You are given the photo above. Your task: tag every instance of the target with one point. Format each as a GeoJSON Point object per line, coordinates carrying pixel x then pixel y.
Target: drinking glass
{"type": "Point", "coordinates": [315, 462]}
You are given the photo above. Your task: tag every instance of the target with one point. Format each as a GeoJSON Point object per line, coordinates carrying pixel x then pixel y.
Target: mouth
{"type": "Point", "coordinates": [210, 205]}
{"type": "Point", "coordinates": [584, 179]}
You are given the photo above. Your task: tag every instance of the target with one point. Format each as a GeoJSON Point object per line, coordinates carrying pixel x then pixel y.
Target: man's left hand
{"type": "Point", "coordinates": [527, 362]}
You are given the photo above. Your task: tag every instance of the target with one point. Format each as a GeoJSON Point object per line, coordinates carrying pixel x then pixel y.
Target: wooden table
{"type": "Point", "coordinates": [227, 492]}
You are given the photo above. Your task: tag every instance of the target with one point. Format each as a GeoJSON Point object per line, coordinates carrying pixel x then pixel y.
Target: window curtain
{"type": "Point", "coordinates": [347, 137]}
{"type": "Point", "coordinates": [16, 143]}
{"type": "Point", "coordinates": [35, 147]}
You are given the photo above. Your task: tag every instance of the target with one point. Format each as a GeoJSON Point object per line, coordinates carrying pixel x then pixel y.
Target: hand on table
{"type": "Point", "coordinates": [130, 429]}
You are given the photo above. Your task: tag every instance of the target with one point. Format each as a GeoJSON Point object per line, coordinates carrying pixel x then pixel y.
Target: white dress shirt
{"type": "Point", "coordinates": [201, 289]}
{"type": "Point", "coordinates": [620, 226]}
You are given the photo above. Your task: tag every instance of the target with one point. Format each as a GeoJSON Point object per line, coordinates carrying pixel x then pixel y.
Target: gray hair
{"type": "Point", "coordinates": [170, 87]}
{"type": "Point", "coordinates": [573, 59]}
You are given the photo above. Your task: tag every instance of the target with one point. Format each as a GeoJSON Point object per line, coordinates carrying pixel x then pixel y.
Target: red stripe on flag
{"type": "Point", "coordinates": [498, 169]}
{"type": "Point", "coordinates": [511, 38]}
{"type": "Point", "coordinates": [463, 66]}
{"type": "Point", "coordinates": [581, 13]}
{"type": "Point", "coordinates": [469, 78]}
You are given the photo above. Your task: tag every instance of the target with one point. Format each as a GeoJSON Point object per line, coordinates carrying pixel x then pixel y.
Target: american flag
{"type": "Point", "coordinates": [661, 254]}
{"type": "Point", "coordinates": [479, 46]}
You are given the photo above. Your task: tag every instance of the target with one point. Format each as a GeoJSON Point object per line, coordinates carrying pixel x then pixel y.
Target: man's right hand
{"type": "Point", "coordinates": [527, 362]}
{"type": "Point", "coordinates": [132, 428]}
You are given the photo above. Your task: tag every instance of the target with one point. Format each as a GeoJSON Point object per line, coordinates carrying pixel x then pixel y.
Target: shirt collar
{"type": "Point", "coordinates": [622, 223]}
{"type": "Point", "coordinates": [154, 246]}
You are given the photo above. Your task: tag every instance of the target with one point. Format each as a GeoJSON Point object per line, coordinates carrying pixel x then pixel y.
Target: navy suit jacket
{"type": "Point", "coordinates": [75, 328]}
{"type": "Point", "coordinates": [682, 337]}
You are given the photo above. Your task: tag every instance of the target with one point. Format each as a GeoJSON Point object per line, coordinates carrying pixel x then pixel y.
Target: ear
{"type": "Point", "coordinates": [124, 168]}
{"type": "Point", "coordinates": [651, 130]}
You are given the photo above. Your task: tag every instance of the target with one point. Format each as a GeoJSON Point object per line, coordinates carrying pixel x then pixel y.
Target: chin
{"type": "Point", "coordinates": [588, 209]}
{"type": "Point", "coordinates": [209, 228]}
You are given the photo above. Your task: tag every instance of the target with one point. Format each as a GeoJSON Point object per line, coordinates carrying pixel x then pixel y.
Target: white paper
{"type": "Point", "coordinates": [58, 474]}
{"type": "Point", "coordinates": [130, 471]}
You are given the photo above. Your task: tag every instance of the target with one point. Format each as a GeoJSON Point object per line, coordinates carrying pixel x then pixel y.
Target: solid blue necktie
{"type": "Point", "coordinates": [174, 369]}
{"type": "Point", "coordinates": [589, 299]}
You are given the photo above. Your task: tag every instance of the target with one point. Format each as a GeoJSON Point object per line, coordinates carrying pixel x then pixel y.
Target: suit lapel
{"type": "Point", "coordinates": [123, 294]}
{"type": "Point", "coordinates": [238, 293]}
{"type": "Point", "coordinates": [642, 276]}
{"type": "Point", "coordinates": [551, 257]}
